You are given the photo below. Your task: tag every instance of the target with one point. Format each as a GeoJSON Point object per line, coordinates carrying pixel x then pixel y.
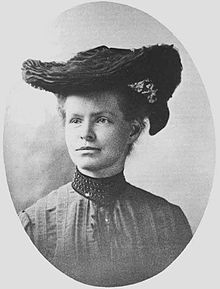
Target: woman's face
{"type": "Point", "coordinates": [97, 135]}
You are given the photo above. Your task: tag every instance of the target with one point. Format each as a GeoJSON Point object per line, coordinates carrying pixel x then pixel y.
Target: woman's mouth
{"type": "Point", "coordinates": [88, 148]}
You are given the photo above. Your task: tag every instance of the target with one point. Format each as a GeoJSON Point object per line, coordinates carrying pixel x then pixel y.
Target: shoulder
{"type": "Point", "coordinates": [141, 196]}
{"type": "Point", "coordinates": [48, 204]}
{"type": "Point", "coordinates": [168, 219]}
{"type": "Point", "coordinates": [160, 208]}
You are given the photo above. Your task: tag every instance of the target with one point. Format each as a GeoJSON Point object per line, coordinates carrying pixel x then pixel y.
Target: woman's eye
{"type": "Point", "coordinates": [75, 120]}
{"type": "Point", "coordinates": [103, 120]}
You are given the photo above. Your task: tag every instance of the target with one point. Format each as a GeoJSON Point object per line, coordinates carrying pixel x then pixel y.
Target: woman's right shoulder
{"type": "Point", "coordinates": [47, 204]}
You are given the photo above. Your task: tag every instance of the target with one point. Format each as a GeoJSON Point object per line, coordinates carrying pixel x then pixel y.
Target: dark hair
{"type": "Point", "coordinates": [133, 105]}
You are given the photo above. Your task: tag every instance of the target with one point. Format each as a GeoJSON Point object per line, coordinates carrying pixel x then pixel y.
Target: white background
{"type": "Point", "coordinates": [195, 24]}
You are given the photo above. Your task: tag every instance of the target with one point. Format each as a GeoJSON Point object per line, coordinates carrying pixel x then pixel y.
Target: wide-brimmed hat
{"type": "Point", "coordinates": [153, 71]}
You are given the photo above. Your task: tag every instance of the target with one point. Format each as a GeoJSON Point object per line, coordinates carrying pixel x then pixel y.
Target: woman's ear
{"type": "Point", "coordinates": [135, 131]}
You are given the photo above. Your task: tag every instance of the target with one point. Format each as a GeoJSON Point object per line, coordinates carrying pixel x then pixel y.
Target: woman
{"type": "Point", "coordinates": [99, 229]}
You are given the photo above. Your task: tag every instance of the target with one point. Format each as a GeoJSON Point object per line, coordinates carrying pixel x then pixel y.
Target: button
{"type": "Point", "coordinates": [107, 220]}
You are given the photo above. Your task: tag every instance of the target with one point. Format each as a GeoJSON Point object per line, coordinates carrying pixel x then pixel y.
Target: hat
{"type": "Point", "coordinates": [153, 71]}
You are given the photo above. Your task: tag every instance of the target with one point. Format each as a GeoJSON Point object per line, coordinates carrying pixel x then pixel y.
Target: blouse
{"type": "Point", "coordinates": [106, 232]}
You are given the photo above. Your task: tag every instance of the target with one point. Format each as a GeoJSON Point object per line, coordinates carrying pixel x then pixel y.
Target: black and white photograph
{"type": "Point", "coordinates": [108, 148]}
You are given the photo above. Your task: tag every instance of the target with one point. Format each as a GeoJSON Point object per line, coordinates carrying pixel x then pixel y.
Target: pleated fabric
{"type": "Point", "coordinates": [129, 240]}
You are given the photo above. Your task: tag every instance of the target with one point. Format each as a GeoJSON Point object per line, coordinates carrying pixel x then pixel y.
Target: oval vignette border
{"type": "Point", "coordinates": [61, 280]}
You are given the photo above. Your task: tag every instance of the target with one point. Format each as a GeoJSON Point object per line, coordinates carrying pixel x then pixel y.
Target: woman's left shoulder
{"type": "Point", "coordinates": [163, 211]}
{"type": "Point", "coordinates": [143, 196]}
{"type": "Point", "coordinates": [157, 205]}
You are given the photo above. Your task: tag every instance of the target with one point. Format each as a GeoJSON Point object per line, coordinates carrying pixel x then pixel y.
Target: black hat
{"type": "Point", "coordinates": [154, 71]}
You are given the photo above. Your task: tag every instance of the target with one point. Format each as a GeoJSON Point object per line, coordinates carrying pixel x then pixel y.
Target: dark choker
{"type": "Point", "coordinates": [102, 191]}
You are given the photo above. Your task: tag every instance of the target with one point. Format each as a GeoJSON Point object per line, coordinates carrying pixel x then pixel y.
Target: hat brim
{"type": "Point", "coordinates": [103, 67]}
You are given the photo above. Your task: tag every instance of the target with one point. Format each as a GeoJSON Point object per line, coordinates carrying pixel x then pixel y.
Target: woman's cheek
{"type": "Point", "coordinates": [70, 137]}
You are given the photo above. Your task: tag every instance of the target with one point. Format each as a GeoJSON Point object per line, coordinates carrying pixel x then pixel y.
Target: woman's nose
{"type": "Point", "coordinates": [87, 132]}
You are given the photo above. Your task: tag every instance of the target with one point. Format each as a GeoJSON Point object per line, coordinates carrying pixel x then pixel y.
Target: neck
{"type": "Point", "coordinates": [103, 173]}
{"type": "Point", "coordinates": [102, 191]}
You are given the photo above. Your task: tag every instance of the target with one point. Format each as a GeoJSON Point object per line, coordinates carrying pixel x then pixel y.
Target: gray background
{"type": "Point", "coordinates": [196, 24]}
{"type": "Point", "coordinates": [177, 163]}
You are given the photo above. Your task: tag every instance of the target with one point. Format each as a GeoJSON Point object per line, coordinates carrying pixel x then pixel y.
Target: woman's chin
{"type": "Point", "coordinates": [88, 164]}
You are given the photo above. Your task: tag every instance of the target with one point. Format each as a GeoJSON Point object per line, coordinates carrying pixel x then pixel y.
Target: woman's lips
{"type": "Point", "coordinates": [88, 148]}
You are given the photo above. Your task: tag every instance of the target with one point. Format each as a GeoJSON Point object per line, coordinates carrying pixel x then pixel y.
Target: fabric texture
{"type": "Point", "coordinates": [103, 67]}
{"type": "Point", "coordinates": [121, 242]}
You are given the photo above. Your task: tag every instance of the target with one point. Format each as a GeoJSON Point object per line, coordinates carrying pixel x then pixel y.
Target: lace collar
{"type": "Point", "coordinates": [103, 191]}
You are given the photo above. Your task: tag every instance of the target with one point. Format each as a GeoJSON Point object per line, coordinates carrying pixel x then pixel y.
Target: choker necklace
{"type": "Point", "coordinates": [102, 191]}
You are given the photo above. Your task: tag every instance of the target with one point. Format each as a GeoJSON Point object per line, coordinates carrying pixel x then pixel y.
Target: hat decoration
{"type": "Point", "coordinates": [153, 71]}
{"type": "Point", "coordinates": [145, 87]}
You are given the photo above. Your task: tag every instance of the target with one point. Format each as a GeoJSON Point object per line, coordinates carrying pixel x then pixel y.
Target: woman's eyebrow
{"type": "Point", "coordinates": [93, 113]}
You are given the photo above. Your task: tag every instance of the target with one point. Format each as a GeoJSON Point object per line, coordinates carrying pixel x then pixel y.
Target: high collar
{"type": "Point", "coordinates": [102, 191]}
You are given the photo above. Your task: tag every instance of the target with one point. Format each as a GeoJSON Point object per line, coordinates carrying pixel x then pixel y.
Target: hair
{"type": "Point", "coordinates": [133, 105]}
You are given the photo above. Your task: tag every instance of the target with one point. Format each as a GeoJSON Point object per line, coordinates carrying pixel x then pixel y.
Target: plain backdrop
{"type": "Point", "coordinates": [22, 264]}
{"type": "Point", "coordinates": [177, 163]}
